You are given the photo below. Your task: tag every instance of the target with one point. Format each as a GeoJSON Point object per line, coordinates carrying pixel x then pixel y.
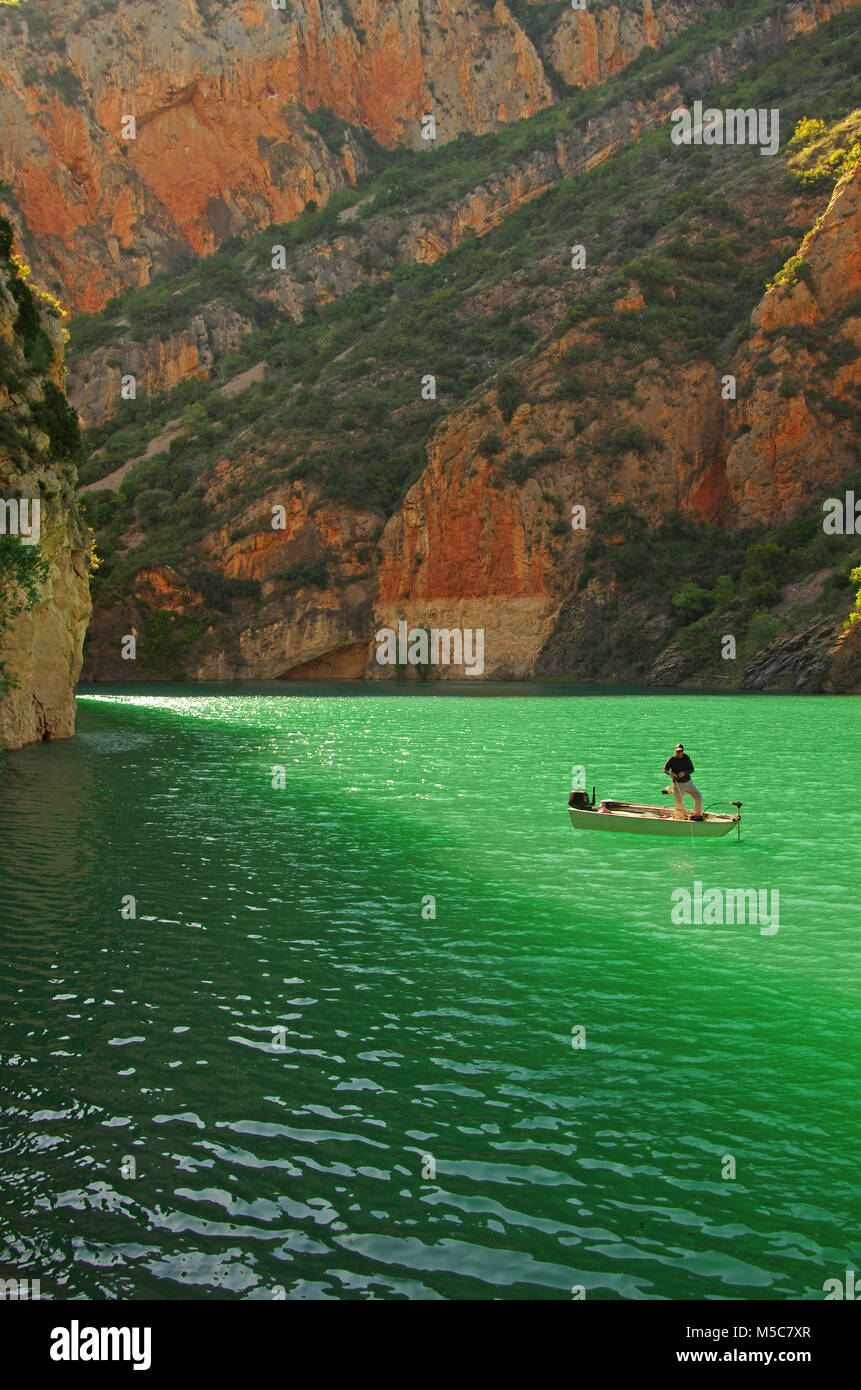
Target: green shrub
{"type": "Point", "coordinates": [219, 590]}
{"type": "Point", "coordinates": [151, 506]}
{"type": "Point", "coordinates": [490, 444]}
{"type": "Point", "coordinates": [549, 454]}
{"type": "Point", "coordinates": [796, 269]}
{"type": "Point", "coordinates": [700, 642]}
{"type": "Point", "coordinates": [166, 638]}
{"type": "Point", "coordinates": [329, 126]}
{"type": "Point", "coordinates": [690, 603]}
{"type": "Point", "coordinates": [56, 417]}
{"type": "Point", "coordinates": [67, 83]}
{"type": "Point", "coordinates": [27, 324]}
{"type": "Point", "coordinates": [516, 468]}
{"type": "Point", "coordinates": [509, 395]}
{"type": "Point", "coordinates": [6, 238]}
{"type": "Point", "coordinates": [627, 439]}
{"type": "Point", "coordinates": [768, 566]}
{"type": "Point", "coordinates": [99, 508]}
{"type": "Point", "coordinates": [763, 628]}
{"type": "Point", "coordinates": [23, 571]}
{"type": "Point", "coordinates": [307, 574]}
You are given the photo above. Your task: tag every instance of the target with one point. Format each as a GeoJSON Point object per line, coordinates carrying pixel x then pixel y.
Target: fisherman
{"type": "Point", "coordinates": [680, 767]}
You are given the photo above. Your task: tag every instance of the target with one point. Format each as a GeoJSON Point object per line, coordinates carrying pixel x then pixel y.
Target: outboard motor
{"type": "Point", "coordinates": [579, 801]}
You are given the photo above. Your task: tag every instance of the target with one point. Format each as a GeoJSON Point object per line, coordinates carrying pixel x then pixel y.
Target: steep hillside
{"type": "Point", "coordinates": [554, 388]}
{"type": "Point", "coordinates": [661, 454]}
{"type": "Point", "coordinates": [44, 592]}
{"type": "Point", "coordinates": [239, 109]}
{"type": "Point", "coordinates": [414, 211]}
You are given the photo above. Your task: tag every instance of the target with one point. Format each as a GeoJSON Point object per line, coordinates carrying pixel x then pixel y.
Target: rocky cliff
{"type": "Point", "coordinates": [474, 545]}
{"type": "Point", "coordinates": [793, 425]}
{"type": "Point", "coordinates": [465, 551]}
{"type": "Point", "coordinates": [577, 480]}
{"type": "Point", "coordinates": [44, 546]}
{"type": "Point", "coordinates": [366, 247]}
{"type": "Point", "coordinates": [223, 98]}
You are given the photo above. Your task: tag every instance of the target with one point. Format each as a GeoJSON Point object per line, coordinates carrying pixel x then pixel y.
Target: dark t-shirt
{"type": "Point", "coordinates": [681, 765]}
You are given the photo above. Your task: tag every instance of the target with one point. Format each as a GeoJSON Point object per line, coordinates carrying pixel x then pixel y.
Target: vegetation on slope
{"type": "Point", "coordinates": [25, 360]}
{"type": "Point", "coordinates": [340, 404]}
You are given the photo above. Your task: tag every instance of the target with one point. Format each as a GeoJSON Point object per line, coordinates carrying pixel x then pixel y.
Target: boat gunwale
{"type": "Point", "coordinates": [637, 810]}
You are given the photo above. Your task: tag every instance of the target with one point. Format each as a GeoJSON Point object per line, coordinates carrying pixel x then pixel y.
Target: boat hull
{"type": "Point", "coordinates": [651, 821]}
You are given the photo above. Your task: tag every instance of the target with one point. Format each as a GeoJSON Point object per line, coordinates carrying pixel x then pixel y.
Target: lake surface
{"type": "Point", "coordinates": [426, 1124]}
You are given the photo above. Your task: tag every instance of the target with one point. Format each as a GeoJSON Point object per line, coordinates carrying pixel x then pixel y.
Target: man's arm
{"type": "Point", "coordinates": [667, 766]}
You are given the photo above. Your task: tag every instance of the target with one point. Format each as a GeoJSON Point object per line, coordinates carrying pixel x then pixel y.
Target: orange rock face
{"type": "Point", "coordinates": [786, 439]}
{"type": "Point", "coordinates": [459, 537]}
{"type": "Point", "coordinates": [467, 544]}
{"type": "Point", "coordinates": [222, 144]}
{"type": "Point", "coordinates": [589, 47]}
{"type": "Point", "coordinates": [162, 589]}
{"type": "Point", "coordinates": [471, 548]}
{"type": "Point", "coordinates": [95, 383]}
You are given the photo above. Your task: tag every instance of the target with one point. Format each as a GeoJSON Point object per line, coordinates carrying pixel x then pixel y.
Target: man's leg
{"type": "Point", "coordinates": [694, 793]}
{"type": "Point", "coordinates": [679, 797]}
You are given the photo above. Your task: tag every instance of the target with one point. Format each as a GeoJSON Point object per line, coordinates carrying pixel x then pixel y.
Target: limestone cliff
{"type": "Point", "coordinates": [793, 424]}
{"type": "Point", "coordinates": [465, 550]}
{"type": "Point", "coordinates": [95, 382]}
{"type": "Point", "coordinates": [40, 648]}
{"type": "Point", "coordinates": [223, 98]}
{"type": "Point", "coordinates": [366, 247]}
{"type": "Point", "coordinates": [310, 595]}
{"type": "Point", "coordinates": [599, 392]}
{"type": "Point", "coordinates": [587, 47]}
{"type": "Point", "coordinates": [219, 93]}
{"type": "Point", "coordinates": [471, 548]}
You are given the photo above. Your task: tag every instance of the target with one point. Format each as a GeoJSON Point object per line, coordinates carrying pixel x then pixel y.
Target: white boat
{"type": "Point", "coordinates": [632, 818]}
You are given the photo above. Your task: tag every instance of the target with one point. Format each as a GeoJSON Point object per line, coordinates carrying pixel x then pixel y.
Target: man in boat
{"type": "Point", "coordinates": [680, 767]}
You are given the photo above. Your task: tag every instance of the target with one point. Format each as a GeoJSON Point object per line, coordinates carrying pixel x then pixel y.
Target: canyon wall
{"type": "Point", "coordinates": [469, 548]}
{"type": "Point", "coordinates": [40, 648]}
{"type": "Point", "coordinates": [366, 249]}
{"type": "Point", "coordinates": [230, 137]}
{"type": "Point", "coordinates": [223, 97]}
{"type": "Point", "coordinates": [466, 550]}
{"type": "Point", "coordinates": [808, 331]}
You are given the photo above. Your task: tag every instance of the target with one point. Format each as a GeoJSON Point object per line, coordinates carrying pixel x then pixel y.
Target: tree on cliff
{"type": "Point", "coordinates": [22, 572]}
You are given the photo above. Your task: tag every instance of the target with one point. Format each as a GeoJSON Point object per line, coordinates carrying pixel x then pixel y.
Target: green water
{"type": "Point", "coordinates": [306, 1167]}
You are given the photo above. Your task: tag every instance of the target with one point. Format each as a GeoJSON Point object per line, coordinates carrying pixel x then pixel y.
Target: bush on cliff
{"type": "Point", "coordinates": [23, 571]}
{"type": "Point", "coordinates": [60, 422]}
{"type": "Point", "coordinates": [691, 602]}
{"type": "Point", "coordinates": [307, 574]}
{"type": "Point", "coordinates": [151, 505]}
